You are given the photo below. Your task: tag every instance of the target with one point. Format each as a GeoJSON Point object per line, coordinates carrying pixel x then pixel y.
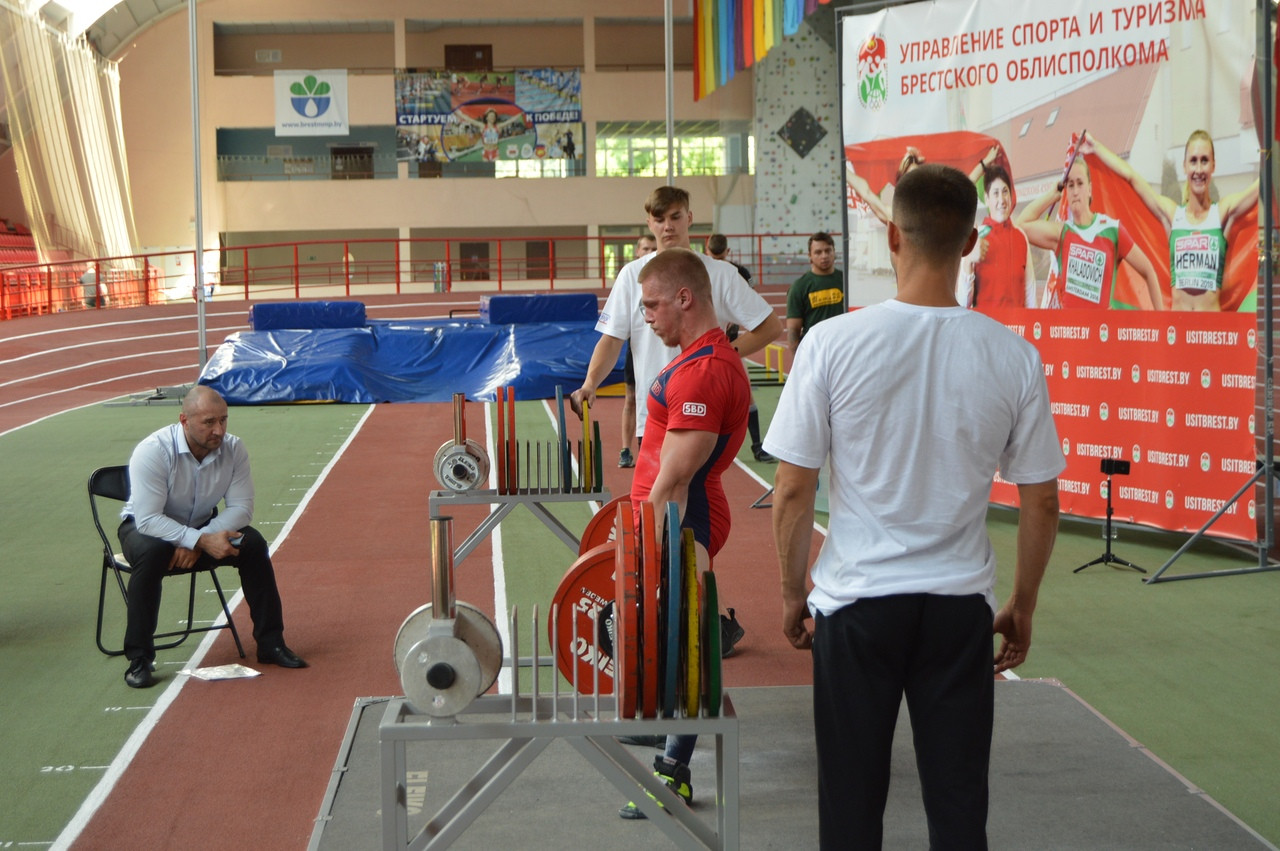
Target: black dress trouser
{"type": "Point", "coordinates": [149, 557]}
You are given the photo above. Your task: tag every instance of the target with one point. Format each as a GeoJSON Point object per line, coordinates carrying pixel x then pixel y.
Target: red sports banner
{"type": "Point", "coordinates": [1172, 395]}
{"type": "Point", "coordinates": [1114, 148]}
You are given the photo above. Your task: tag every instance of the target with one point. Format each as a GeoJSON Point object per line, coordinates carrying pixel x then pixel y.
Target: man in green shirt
{"type": "Point", "coordinates": [817, 294]}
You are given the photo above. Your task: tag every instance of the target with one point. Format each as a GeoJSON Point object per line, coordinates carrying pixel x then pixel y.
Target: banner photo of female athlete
{"type": "Point", "coordinates": [1115, 150]}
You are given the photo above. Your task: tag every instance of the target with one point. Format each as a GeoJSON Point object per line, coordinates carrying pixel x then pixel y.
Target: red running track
{"type": "Point", "coordinates": [262, 749]}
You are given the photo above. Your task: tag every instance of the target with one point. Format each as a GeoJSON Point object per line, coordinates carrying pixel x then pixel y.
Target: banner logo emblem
{"type": "Point", "coordinates": [873, 73]}
{"type": "Point", "coordinates": [310, 98]}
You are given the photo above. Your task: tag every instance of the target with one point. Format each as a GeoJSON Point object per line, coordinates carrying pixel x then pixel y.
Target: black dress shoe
{"type": "Point", "coordinates": [139, 674]}
{"type": "Point", "coordinates": [280, 655]}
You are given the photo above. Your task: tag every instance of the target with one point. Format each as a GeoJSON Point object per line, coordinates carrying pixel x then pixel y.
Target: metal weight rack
{"type": "Point", "coordinates": [524, 725]}
{"type": "Point", "coordinates": [435, 641]}
{"type": "Point", "coordinates": [438, 503]}
{"type": "Point", "coordinates": [534, 475]}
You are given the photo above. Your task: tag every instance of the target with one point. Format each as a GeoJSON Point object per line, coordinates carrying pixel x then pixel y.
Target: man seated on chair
{"type": "Point", "coordinates": [177, 477]}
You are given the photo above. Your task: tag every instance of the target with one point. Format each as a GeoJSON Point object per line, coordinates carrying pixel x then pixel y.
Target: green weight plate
{"type": "Point", "coordinates": [586, 467]}
{"type": "Point", "coordinates": [674, 627]}
{"type": "Point", "coordinates": [597, 453]}
{"type": "Point", "coordinates": [711, 645]}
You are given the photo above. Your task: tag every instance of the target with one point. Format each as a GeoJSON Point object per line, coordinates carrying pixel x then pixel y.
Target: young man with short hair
{"type": "Point", "coordinates": [916, 403]}
{"type": "Point", "coordinates": [818, 294]}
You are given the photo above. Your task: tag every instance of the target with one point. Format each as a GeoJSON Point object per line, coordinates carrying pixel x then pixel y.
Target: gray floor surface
{"type": "Point", "coordinates": [1062, 778]}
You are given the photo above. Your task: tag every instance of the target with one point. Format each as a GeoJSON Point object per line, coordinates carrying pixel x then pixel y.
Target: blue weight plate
{"type": "Point", "coordinates": [672, 686]}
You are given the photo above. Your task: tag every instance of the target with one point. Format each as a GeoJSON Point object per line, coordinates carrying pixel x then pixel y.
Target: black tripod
{"type": "Point", "coordinates": [1108, 557]}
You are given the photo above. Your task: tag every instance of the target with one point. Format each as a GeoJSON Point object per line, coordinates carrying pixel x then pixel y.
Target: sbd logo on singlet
{"type": "Point", "coordinates": [695, 409]}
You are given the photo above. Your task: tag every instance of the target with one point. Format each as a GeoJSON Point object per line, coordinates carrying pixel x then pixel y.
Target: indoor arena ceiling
{"type": "Point", "coordinates": [112, 27]}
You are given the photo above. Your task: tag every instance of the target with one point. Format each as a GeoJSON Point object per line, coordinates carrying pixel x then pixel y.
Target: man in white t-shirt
{"type": "Point", "coordinates": [622, 319]}
{"type": "Point", "coordinates": [916, 403]}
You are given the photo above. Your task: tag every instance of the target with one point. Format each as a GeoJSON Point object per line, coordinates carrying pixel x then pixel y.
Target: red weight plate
{"type": "Point", "coordinates": [650, 567]}
{"type": "Point", "coordinates": [600, 528]}
{"type": "Point", "coordinates": [501, 453]}
{"type": "Point", "coordinates": [513, 474]}
{"type": "Point", "coordinates": [626, 611]}
{"type": "Point", "coordinates": [587, 586]}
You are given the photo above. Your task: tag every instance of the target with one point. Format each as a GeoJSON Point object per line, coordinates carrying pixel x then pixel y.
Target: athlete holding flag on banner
{"type": "Point", "coordinates": [1087, 246]}
{"type": "Point", "coordinates": [1197, 227]}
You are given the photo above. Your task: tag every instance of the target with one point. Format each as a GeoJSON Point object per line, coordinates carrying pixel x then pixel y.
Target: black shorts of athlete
{"type": "Point", "coordinates": [629, 369]}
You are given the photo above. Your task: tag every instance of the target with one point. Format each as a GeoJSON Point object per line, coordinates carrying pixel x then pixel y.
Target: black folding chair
{"type": "Point", "coordinates": [113, 483]}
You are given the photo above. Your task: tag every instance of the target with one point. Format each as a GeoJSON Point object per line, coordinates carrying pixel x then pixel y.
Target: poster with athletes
{"type": "Point", "coordinates": [1115, 150]}
{"type": "Point", "coordinates": [486, 116]}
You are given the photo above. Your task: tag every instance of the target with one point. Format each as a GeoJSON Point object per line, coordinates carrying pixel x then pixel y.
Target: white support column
{"type": "Point", "coordinates": [406, 250]}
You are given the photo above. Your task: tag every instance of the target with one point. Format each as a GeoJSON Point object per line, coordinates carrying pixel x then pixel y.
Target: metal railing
{"type": "Point", "coordinates": [360, 267]}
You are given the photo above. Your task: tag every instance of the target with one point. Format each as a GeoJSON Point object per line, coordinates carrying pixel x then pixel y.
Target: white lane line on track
{"type": "Point", "coordinates": [499, 564]}
{"type": "Point", "coordinates": [103, 342]}
{"type": "Point", "coordinates": [77, 329]}
{"type": "Point", "coordinates": [768, 486]}
{"type": "Point", "coordinates": [90, 364]}
{"type": "Point", "coordinates": [190, 366]}
{"type": "Point", "coordinates": [139, 736]}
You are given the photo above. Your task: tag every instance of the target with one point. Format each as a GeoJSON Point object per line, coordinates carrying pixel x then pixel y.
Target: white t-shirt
{"type": "Point", "coordinates": [917, 408]}
{"type": "Point", "coordinates": [735, 302]}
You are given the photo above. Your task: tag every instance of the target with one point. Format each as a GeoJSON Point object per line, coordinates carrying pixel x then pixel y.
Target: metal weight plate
{"type": "Point", "coordinates": [461, 467]}
{"type": "Point", "coordinates": [711, 645]}
{"type": "Point", "coordinates": [626, 610]}
{"type": "Point", "coordinates": [584, 590]}
{"type": "Point", "coordinates": [650, 566]}
{"type": "Point", "coordinates": [440, 676]}
{"type": "Point", "coordinates": [602, 525]}
{"type": "Point", "coordinates": [673, 649]}
{"type": "Point", "coordinates": [472, 626]}
{"type": "Point", "coordinates": [692, 622]}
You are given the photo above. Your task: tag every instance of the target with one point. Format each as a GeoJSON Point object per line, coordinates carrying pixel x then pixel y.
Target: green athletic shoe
{"type": "Point", "coordinates": [678, 779]}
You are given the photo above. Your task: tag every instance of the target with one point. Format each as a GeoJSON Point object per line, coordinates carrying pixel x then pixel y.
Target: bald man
{"type": "Point", "coordinates": [177, 477]}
